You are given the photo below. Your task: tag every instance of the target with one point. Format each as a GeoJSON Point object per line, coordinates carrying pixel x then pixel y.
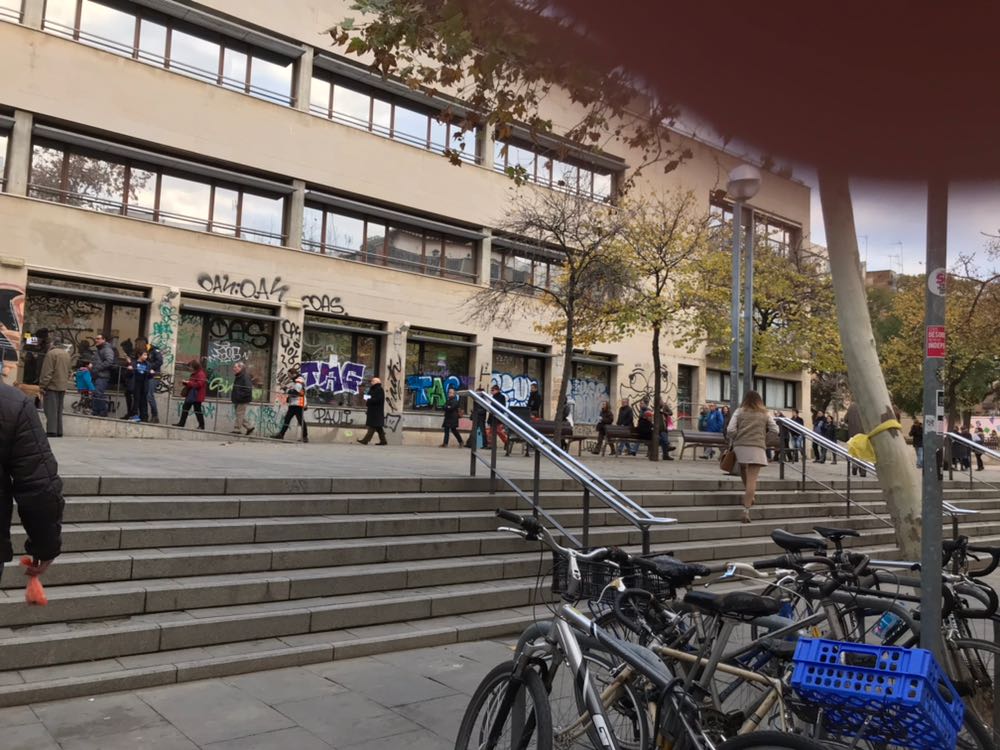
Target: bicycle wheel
{"type": "Point", "coordinates": [521, 721]}
{"type": "Point", "coordinates": [625, 710]}
{"type": "Point", "coordinates": [771, 741]}
{"type": "Point", "coordinates": [977, 662]}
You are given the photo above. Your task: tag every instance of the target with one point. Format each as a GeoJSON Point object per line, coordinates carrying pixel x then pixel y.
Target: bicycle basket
{"type": "Point", "coordinates": [888, 694]}
{"type": "Point", "coordinates": [594, 577]}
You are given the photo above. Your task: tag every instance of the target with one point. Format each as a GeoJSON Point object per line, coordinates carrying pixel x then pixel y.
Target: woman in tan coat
{"type": "Point", "coordinates": [748, 430]}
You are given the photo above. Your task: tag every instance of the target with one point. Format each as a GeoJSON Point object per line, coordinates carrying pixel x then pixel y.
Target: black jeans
{"type": "Point", "coordinates": [295, 412]}
{"type": "Point", "coordinates": [448, 432]}
{"type": "Point", "coordinates": [197, 412]}
{"type": "Point", "coordinates": [372, 431]}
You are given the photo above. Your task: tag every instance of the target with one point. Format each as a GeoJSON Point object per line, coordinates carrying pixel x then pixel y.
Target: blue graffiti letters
{"type": "Point", "coordinates": [332, 376]}
{"type": "Point", "coordinates": [516, 388]}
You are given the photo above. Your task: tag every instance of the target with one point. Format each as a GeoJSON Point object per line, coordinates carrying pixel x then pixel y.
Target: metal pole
{"type": "Point", "coordinates": [586, 517]}
{"type": "Point", "coordinates": [802, 487]}
{"type": "Point", "coordinates": [937, 259]}
{"type": "Point", "coordinates": [473, 445]}
{"type": "Point", "coordinates": [538, 480]}
{"type": "Point", "coordinates": [783, 436]}
{"type": "Point", "coordinates": [493, 458]}
{"type": "Point", "coordinates": [748, 311]}
{"type": "Point", "coordinates": [734, 335]}
{"type": "Point", "coordinates": [996, 688]}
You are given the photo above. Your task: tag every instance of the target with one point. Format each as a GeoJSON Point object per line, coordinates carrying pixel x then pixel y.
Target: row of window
{"type": "Point", "coordinates": [539, 166]}
{"type": "Point", "coordinates": [519, 267]}
{"type": "Point", "coordinates": [125, 187]}
{"type": "Point", "coordinates": [777, 394]}
{"type": "Point", "coordinates": [10, 10]}
{"type": "Point", "coordinates": [768, 232]}
{"type": "Point", "coordinates": [165, 42]}
{"type": "Point", "coordinates": [372, 240]}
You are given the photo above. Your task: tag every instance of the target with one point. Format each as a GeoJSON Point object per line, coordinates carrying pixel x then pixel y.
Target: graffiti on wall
{"type": "Point", "coordinates": [255, 333]}
{"type": "Point", "coordinates": [289, 349]}
{"type": "Point", "coordinates": [162, 336]}
{"type": "Point", "coordinates": [323, 303]}
{"type": "Point", "coordinates": [331, 417]}
{"type": "Point", "coordinates": [516, 388]}
{"type": "Point", "coordinates": [638, 386]}
{"type": "Point", "coordinates": [11, 322]}
{"type": "Point", "coordinates": [587, 397]}
{"type": "Point", "coordinates": [268, 290]}
{"type": "Point", "coordinates": [227, 352]}
{"type": "Point", "coordinates": [395, 370]}
{"type": "Point", "coordinates": [430, 391]}
{"type": "Point", "coordinates": [333, 376]}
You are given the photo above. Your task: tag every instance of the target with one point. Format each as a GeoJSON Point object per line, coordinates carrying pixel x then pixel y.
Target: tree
{"type": "Point", "coordinates": [829, 388]}
{"type": "Point", "coordinates": [575, 298]}
{"type": "Point", "coordinates": [663, 240]}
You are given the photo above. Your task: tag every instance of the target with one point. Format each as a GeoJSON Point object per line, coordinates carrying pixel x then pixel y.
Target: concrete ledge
{"type": "Point", "coordinates": [144, 485]}
{"type": "Point", "coordinates": [53, 690]}
{"type": "Point", "coordinates": [276, 486]}
{"type": "Point", "coordinates": [241, 664]}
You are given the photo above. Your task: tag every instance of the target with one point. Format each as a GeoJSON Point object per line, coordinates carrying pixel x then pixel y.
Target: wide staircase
{"type": "Point", "coordinates": [169, 580]}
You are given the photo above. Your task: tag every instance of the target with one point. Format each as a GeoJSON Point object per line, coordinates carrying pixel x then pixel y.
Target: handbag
{"type": "Point", "coordinates": [727, 462]}
{"type": "Point", "coordinates": [185, 390]}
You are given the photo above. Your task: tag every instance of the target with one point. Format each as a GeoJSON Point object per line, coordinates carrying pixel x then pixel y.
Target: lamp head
{"type": "Point", "coordinates": [744, 182]}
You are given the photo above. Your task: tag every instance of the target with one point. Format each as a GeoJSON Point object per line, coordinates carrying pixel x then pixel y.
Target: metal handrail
{"type": "Point", "coordinates": [592, 483]}
{"type": "Point", "coordinates": [794, 427]}
{"type": "Point", "coordinates": [980, 448]}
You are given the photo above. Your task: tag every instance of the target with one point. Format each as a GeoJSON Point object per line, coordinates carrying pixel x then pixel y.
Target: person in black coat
{"type": "Point", "coordinates": [494, 423]}
{"type": "Point", "coordinates": [626, 418]}
{"type": "Point", "coordinates": [450, 424]}
{"type": "Point", "coordinates": [241, 396]}
{"type": "Point", "coordinates": [478, 437]}
{"type": "Point", "coordinates": [28, 475]}
{"type": "Point", "coordinates": [535, 401]}
{"type": "Point", "coordinates": [606, 417]}
{"type": "Point", "coordinates": [375, 413]}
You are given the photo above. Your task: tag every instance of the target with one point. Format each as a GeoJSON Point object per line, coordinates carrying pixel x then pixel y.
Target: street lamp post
{"type": "Point", "coordinates": [744, 182]}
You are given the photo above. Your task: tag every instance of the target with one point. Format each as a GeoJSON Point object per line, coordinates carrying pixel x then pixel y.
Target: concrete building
{"type": "Point", "coordinates": [215, 178]}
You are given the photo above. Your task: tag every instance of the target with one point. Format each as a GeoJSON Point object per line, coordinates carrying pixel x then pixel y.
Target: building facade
{"type": "Point", "coordinates": [216, 179]}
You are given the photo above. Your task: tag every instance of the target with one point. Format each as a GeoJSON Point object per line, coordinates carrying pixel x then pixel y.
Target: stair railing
{"type": "Point", "coordinates": [953, 438]}
{"type": "Point", "coordinates": [592, 483]}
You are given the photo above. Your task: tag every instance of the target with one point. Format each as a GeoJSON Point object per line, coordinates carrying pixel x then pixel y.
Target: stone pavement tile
{"type": "Point", "coordinates": [284, 685]}
{"type": "Point", "coordinates": [441, 716]}
{"type": "Point", "coordinates": [460, 666]}
{"type": "Point", "coordinates": [213, 711]}
{"type": "Point", "coordinates": [346, 718]}
{"type": "Point", "coordinates": [162, 736]}
{"type": "Point", "coordinates": [89, 718]}
{"type": "Point", "coordinates": [419, 740]}
{"type": "Point", "coordinates": [13, 717]}
{"type": "Point", "coordinates": [384, 683]}
{"type": "Point", "coordinates": [284, 739]}
{"type": "Point", "coordinates": [27, 737]}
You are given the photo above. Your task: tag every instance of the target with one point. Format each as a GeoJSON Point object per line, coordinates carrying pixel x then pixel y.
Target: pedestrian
{"type": "Point", "coordinates": [625, 419]}
{"type": "Point", "coordinates": [54, 381]}
{"type": "Point", "coordinates": [726, 416]}
{"type": "Point", "coordinates": [496, 428]}
{"type": "Point", "coordinates": [535, 402]}
{"type": "Point", "coordinates": [644, 426]}
{"type": "Point", "coordinates": [29, 475]}
{"type": "Point", "coordinates": [140, 370]}
{"type": "Point", "coordinates": [84, 384]}
{"type": "Point", "coordinates": [854, 427]}
{"type": "Point", "coordinates": [667, 415]}
{"type": "Point", "coordinates": [799, 441]}
{"type": "Point", "coordinates": [452, 407]}
{"type": "Point", "coordinates": [965, 456]}
{"type": "Point", "coordinates": [375, 413]}
{"type": "Point", "coordinates": [703, 419]}
{"type": "Point", "coordinates": [197, 389]}
{"type": "Point", "coordinates": [154, 358]}
{"type": "Point", "coordinates": [296, 401]}
{"type": "Point", "coordinates": [104, 363]}
{"type": "Point", "coordinates": [714, 422]}
{"type": "Point", "coordinates": [830, 433]}
{"type": "Point", "coordinates": [819, 427]}
{"type": "Point", "coordinates": [242, 394]}
{"type": "Point", "coordinates": [748, 430]}
{"type": "Point", "coordinates": [604, 418]}
{"type": "Point", "coordinates": [478, 437]}
{"type": "Point", "coordinates": [917, 438]}
{"type": "Point", "coordinates": [979, 439]}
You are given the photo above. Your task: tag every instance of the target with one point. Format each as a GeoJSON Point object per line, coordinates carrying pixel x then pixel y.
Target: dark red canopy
{"type": "Point", "coordinates": [884, 87]}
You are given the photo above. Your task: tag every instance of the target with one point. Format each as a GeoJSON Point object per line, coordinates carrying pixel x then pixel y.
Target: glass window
{"type": "Point", "coordinates": [141, 194]}
{"type": "Point", "coordinates": [410, 126]}
{"type": "Point", "coordinates": [405, 249]}
{"type": "Point", "coordinates": [312, 229]}
{"type": "Point", "coordinates": [46, 172]}
{"type": "Point", "coordinates": [351, 106]}
{"type": "Point", "coordinates": [60, 16]}
{"type": "Point", "coordinates": [234, 69]}
{"type": "Point", "coordinates": [374, 242]}
{"type": "Point", "coordinates": [522, 157]}
{"type": "Point", "coordinates": [194, 56]}
{"type": "Point", "coordinates": [459, 260]}
{"type": "Point", "coordinates": [107, 27]}
{"type": "Point", "coordinates": [338, 366]}
{"type": "Point", "coordinates": [319, 96]}
{"type": "Point", "coordinates": [3, 155]}
{"type": "Point", "coordinates": [381, 117]}
{"type": "Point", "coordinates": [774, 393]}
{"type": "Point", "coordinates": [10, 10]}
{"type": "Point", "coordinates": [464, 142]}
{"type": "Point", "coordinates": [589, 387]}
{"type": "Point", "coordinates": [183, 202]}
{"type": "Point", "coordinates": [433, 249]}
{"type": "Point", "coordinates": [224, 340]}
{"type": "Point", "coordinates": [564, 175]}
{"type": "Point", "coordinates": [262, 219]}
{"type": "Point", "coordinates": [224, 211]}
{"type": "Point", "coordinates": [152, 42]}
{"type": "Point", "coordinates": [544, 170]}
{"type": "Point", "coordinates": [439, 136]}
{"type": "Point", "coordinates": [515, 374]}
{"type": "Point", "coordinates": [499, 160]}
{"type": "Point", "coordinates": [431, 369]}
{"type": "Point", "coordinates": [344, 235]}
{"type": "Point", "coordinates": [271, 80]}
{"type": "Point", "coordinates": [95, 183]}
{"type": "Point", "coordinates": [602, 185]}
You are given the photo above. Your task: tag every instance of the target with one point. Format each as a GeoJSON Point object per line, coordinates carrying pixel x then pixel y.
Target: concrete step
{"type": "Point", "coordinates": [39, 684]}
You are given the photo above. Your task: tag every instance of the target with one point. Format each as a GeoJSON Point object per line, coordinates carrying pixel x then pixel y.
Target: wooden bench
{"type": "Point", "coordinates": [695, 439]}
{"type": "Point", "coordinates": [560, 432]}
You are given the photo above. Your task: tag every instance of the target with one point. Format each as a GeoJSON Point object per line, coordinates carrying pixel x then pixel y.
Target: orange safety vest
{"type": "Point", "coordinates": [296, 398]}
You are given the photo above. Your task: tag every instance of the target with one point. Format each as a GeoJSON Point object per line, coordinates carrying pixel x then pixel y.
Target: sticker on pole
{"type": "Point", "coordinates": [937, 281]}
{"type": "Point", "coordinates": [935, 341]}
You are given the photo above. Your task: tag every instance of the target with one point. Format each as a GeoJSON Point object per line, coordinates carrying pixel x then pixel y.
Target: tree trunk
{"type": "Point", "coordinates": [658, 426]}
{"type": "Point", "coordinates": [897, 474]}
{"type": "Point", "coordinates": [567, 370]}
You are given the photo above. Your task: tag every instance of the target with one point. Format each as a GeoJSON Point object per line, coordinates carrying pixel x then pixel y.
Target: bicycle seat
{"type": "Point", "coordinates": [735, 603]}
{"type": "Point", "coordinates": [674, 571]}
{"type": "Point", "coordinates": [834, 534]}
{"type": "Point", "coordinates": [795, 543]}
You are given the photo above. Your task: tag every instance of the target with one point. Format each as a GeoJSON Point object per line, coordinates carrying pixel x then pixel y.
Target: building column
{"type": "Point", "coordinates": [288, 359]}
{"type": "Point", "coordinates": [485, 147]}
{"type": "Point", "coordinates": [32, 13]}
{"type": "Point", "coordinates": [296, 214]}
{"type": "Point", "coordinates": [485, 256]}
{"type": "Point", "coordinates": [164, 320]}
{"type": "Point", "coordinates": [13, 281]}
{"type": "Point", "coordinates": [303, 79]}
{"type": "Point", "coordinates": [19, 153]}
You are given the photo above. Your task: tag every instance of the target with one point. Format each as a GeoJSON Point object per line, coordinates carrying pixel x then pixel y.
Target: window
{"type": "Point", "coordinates": [338, 365]}
{"type": "Point", "coordinates": [371, 240]}
{"type": "Point", "coordinates": [770, 233]}
{"type": "Point", "coordinates": [166, 42]}
{"type": "Point", "coordinates": [541, 166]}
{"type": "Point", "coordinates": [523, 267]}
{"type": "Point", "coordinates": [685, 405]}
{"type": "Point", "coordinates": [369, 109]}
{"type": "Point", "coordinates": [590, 387]}
{"type": "Point", "coordinates": [10, 10]}
{"type": "Point", "coordinates": [516, 371]}
{"type": "Point", "coordinates": [777, 393]}
{"type": "Point", "coordinates": [434, 366]}
{"type": "Point", "coordinates": [121, 186]}
{"type": "Point", "coordinates": [3, 159]}
{"type": "Point", "coordinates": [221, 339]}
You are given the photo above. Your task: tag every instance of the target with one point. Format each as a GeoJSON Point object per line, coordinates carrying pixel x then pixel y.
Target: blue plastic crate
{"type": "Point", "coordinates": [901, 693]}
